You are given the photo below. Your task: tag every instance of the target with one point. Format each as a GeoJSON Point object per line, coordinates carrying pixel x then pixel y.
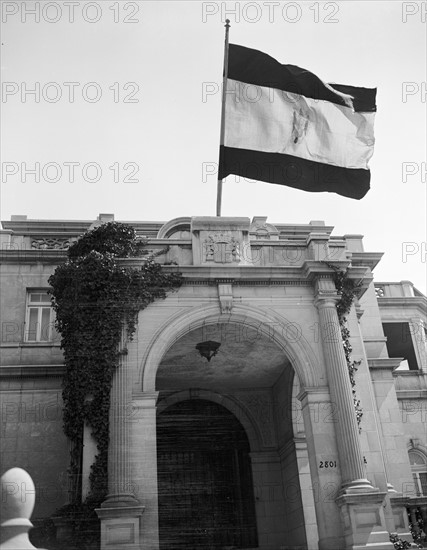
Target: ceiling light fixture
{"type": "Point", "coordinates": [208, 349]}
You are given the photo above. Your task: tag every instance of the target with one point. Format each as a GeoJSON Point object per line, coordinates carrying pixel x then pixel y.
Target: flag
{"type": "Point", "coordinates": [285, 125]}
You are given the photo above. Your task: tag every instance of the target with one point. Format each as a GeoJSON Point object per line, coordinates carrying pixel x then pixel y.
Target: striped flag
{"type": "Point", "coordinates": [284, 125]}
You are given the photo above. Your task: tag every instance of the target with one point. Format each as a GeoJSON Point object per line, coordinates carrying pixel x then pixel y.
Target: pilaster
{"type": "Point", "coordinates": [144, 463]}
{"type": "Point", "coordinates": [121, 512]}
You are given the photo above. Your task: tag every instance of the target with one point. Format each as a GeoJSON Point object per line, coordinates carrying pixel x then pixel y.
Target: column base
{"type": "Point", "coordinates": [363, 521]}
{"type": "Point", "coordinates": [119, 500]}
{"type": "Point", "coordinates": [120, 527]}
{"type": "Point", "coordinates": [358, 486]}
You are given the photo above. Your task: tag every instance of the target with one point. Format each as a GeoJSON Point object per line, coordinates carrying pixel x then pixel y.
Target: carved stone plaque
{"type": "Point", "coordinates": [221, 248]}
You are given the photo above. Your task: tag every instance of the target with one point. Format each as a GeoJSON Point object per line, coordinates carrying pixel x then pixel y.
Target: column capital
{"type": "Point", "coordinates": [145, 400]}
{"type": "Point", "coordinates": [325, 292]}
{"type": "Point", "coordinates": [318, 394]}
{"type": "Point", "coordinates": [326, 299]}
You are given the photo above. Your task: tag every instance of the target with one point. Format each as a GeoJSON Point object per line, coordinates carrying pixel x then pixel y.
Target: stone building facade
{"type": "Point", "coordinates": [259, 446]}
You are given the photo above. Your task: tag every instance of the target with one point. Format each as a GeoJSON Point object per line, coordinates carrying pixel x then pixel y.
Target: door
{"type": "Point", "coordinates": [204, 479]}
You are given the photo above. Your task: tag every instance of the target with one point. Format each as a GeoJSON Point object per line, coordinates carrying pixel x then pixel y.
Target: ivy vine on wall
{"type": "Point", "coordinates": [97, 299]}
{"type": "Point", "coordinates": [347, 290]}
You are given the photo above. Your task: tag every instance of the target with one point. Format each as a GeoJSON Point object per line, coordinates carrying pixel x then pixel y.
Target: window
{"type": "Point", "coordinates": [39, 324]}
{"type": "Point", "coordinates": [399, 343]}
{"type": "Point", "coordinates": [418, 463]}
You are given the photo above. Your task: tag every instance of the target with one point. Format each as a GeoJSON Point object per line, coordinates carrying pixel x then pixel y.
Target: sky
{"type": "Point", "coordinates": [125, 117]}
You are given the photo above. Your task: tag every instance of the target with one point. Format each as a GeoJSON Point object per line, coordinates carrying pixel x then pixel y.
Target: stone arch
{"type": "Point", "coordinates": [244, 417]}
{"type": "Point", "coordinates": [284, 333]}
{"type": "Point", "coordinates": [172, 226]}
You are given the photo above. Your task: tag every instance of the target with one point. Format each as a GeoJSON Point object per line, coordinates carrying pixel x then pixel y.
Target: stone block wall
{"type": "Point", "coordinates": [32, 438]}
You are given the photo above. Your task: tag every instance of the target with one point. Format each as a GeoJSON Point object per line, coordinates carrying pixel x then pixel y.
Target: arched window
{"type": "Point", "coordinates": [418, 463]}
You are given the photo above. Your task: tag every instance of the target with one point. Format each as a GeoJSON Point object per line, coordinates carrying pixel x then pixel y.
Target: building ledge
{"type": "Point", "coordinates": [385, 363]}
{"type": "Point", "coordinates": [411, 394]}
{"type": "Point", "coordinates": [36, 345]}
{"type": "Point", "coordinates": [417, 302]}
{"type": "Point", "coordinates": [32, 371]}
{"type": "Point", "coordinates": [369, 259]}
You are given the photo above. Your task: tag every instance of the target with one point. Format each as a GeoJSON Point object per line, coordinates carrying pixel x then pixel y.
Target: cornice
{"type": "Point", "coordinates": [32, 227]}
{"type": "Point", "coordinates": [302, 229]}
{"type": "Point", "coordinates": [419, 302]}
{"type": "Point", "coordinates": [23, 256]}
{"type": "Point", "coordinates": [246, 275]}
{"type": "Point", "coordinates": [368, 259]}
{"type": "Point", "coordinates": [311, 269]}
{"type": "Point", "coordinates": [77, 227]}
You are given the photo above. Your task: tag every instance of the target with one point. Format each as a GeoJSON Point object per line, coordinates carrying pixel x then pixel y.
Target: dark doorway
{"type": "Point", "coordinates": [206, 497]}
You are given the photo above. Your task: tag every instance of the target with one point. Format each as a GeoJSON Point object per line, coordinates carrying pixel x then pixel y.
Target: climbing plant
{"type": "Point", "coordinates": [347, 290]}
{"type": "Point", "coordinates": [97, 299]}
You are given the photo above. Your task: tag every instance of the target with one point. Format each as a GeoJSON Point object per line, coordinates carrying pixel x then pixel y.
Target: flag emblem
{"type": "Point", "coordinates": [300, 125]}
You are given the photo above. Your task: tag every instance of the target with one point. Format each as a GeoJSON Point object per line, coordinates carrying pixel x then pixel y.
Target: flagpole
{"type": "Point", "coordinates": [222, 131]}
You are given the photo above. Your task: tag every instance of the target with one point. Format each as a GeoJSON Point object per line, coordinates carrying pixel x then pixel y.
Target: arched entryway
{"type": "Point", "coordinates": [252, 378]}
{"type": "Point", "coordinates": [205, 488]}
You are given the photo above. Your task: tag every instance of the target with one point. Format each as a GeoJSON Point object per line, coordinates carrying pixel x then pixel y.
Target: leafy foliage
{"type": "Point", "coordinates": [82, 529]}
{"type": "Point", "coordinates": [398, 543]}
{"type": "Point", "coordinates": [97, 301]}
{"type": "Point", "coordinates": [417, 533]}
{"type": "Point", "coordinates": [114, 238]}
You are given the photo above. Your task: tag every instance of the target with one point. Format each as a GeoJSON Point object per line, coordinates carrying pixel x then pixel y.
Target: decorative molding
{"type": "Point", "coordinates": [51, 243]}
{"type": "Point", "coordinates": [379, 291]}
{"type": "Point", "coordinates": [243, 282]}
{"type": "Point", "coordinates": [225, 295]}
{"type": "Point", "coordinates": [270, 282]}
{"type": "Point", "coordinates": [200, 282]}
{"type": "Point", "coordinates": [325, 292]}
